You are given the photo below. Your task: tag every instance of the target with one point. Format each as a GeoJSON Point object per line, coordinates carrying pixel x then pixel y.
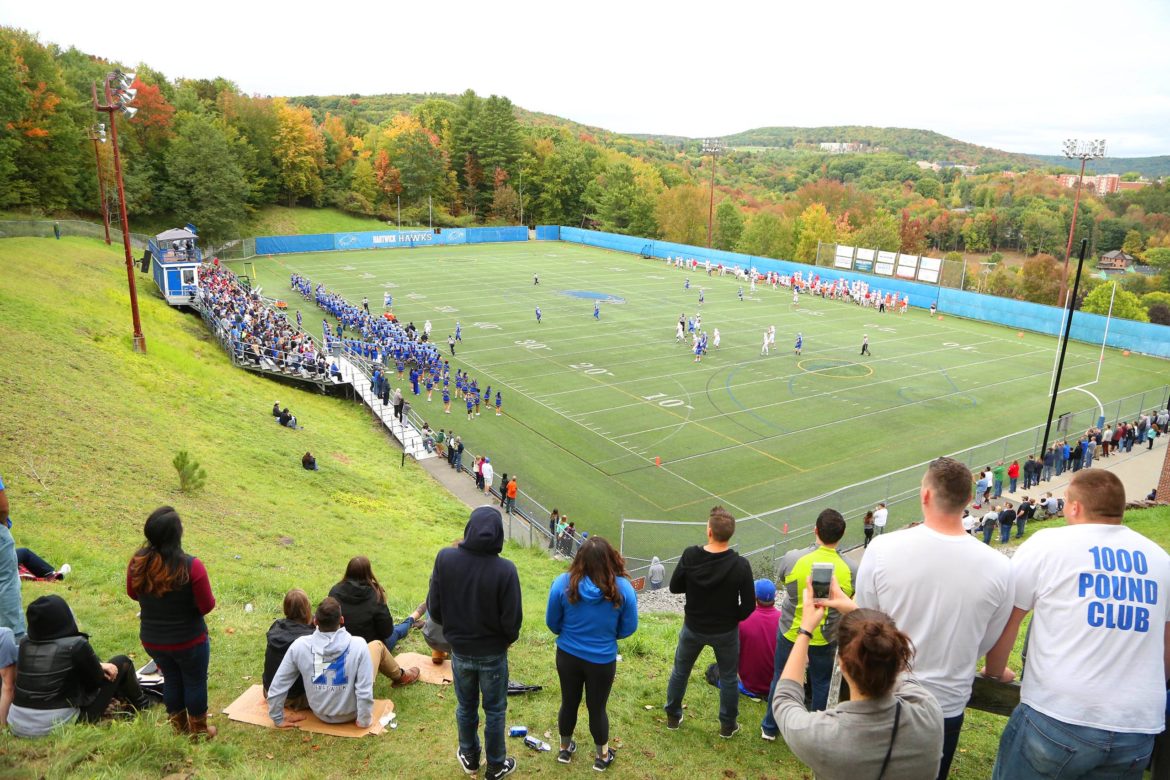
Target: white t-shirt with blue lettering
{"type": "Point", "coordinates": [1099, 595]}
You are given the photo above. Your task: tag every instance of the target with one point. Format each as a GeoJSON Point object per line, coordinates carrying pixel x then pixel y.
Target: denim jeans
{"type": "Point", "coordinates": [998, 488]}
{"type": "Point", "coordinates": [184, 678]}
{"type": "Point", "coordinates": [1014, 481]}
{"type": "Point", "coordinates": [1020, 522]}
{"type": "Point", "coordinates": [690, 644]}
{"type": "Point", "coordinates": [1035, 745]}
{"type": "Point", "coordinates": [988, 531]}
{"type": "Point", "coordinates": [399, 633]}
{"type": "Point", "coordinates": [1005, 533]}
{"type": "Point", "coordinates": [820, 674]}
{"type": "Point", "coordinates": [952, 727]}
{"type": "Point", "coordinates": [486, 676]}
{"type": "Point", "coordinates": [1047, 473]}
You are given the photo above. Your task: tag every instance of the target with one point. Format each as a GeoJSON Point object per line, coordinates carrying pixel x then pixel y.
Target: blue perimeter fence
{"type": "Point", "coordinates": [387, 239]}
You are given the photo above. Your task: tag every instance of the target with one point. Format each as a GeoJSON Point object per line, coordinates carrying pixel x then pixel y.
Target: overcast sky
{"type": "Point", "coordinates": [1019, 75]}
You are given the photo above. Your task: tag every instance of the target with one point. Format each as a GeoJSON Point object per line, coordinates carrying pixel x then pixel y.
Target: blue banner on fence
{"type": "Point", "coordinates": [387, 239]}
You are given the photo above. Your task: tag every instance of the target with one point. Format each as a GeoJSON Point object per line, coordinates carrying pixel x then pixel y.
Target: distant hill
{"type": "Point", "coordinates": [1149, 167]}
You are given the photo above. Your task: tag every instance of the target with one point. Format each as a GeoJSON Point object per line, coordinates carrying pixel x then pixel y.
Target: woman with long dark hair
{"type": "Point", "coordinates": [590, 607]}
{"type": "Point", "coordinates": [891, 727]}
{"type": "Point", "coordinates": [363, 606]}
{"type": "Point", "coordinates": [174, 593]}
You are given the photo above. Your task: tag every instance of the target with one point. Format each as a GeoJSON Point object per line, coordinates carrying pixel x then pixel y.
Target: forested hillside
{"type": "Point", "coordinates": [200, 151]}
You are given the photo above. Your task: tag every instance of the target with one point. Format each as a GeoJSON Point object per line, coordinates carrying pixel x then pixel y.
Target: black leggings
{"type": "Point", "coordinates": [597, 680]}
{"type": "Point", "coordinates": [124, 687]}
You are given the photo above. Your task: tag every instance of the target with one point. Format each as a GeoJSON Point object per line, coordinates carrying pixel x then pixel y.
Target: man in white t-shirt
{"type": "Point", "coordinates": [880, 516]}
{"type": "Point", "coordinates": [944, 589]}
{"type": "Point", "coordinates": [1094, 695]}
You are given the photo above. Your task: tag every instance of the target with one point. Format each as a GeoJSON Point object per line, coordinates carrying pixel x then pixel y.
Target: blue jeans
{"type": "Point", "coordinates": [1014, 480]}
{"type": "Point", "coordinates": [690, 644]}
{"type": "Point", "coordinates": [998, 484]}
{"type": "Point", "coordinates": [486, 676]}
{"type": "Point", "coordinates": [988, 531]}
{"type": "Point", "coordinates": [820, 674]}
{"type": "Point", "coordinates": [952, 727]}
{"type": "Point", "coordinates": [184, 678]}
{"type": "Point", "coordinates": [400, 631]}
{"type": "Point", "coordinates": [1005, 533]}
{"type": "Point", "coordinates": [1035, 745]}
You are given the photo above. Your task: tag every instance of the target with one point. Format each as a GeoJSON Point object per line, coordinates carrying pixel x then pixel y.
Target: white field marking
{"type": "Point", "coordinates": [817, 395]}
{"type": "Point", "coordinates": [728, 448]}
{"type": "Point", "coordinates": [611, 441]}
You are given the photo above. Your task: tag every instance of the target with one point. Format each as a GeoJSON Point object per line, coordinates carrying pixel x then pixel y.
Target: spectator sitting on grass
{"type": "Point", "coordinates": [36, 568]}
{"type": "Point", "coordinates": [308, 462]}
{"type": "Point", "coordinates": [363, 605]}
{"type": "Point", "coordinates": [757, 644]}
{"type": "Point", "coordinates": [286, 419]}
{"type": "Point", "coordinates": [891, 727]}
{"type": "Point", "coordinates": [59, 678]}
{"type": "Point", "coordinates": [296, 623]}
{"type": "Point", "coordinates": [276, 409]}
{"type": "Point", "coordinates": [335, 668]}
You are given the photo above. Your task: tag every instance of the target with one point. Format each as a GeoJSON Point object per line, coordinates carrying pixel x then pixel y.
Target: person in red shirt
{"type": "Point", "coordinates": [1013, 473]}
{"type": "Point", "coordinates": [757, 645]}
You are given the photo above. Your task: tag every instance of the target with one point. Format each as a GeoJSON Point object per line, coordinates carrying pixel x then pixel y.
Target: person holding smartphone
{"type": "Point", "coordinates": [892, 725]}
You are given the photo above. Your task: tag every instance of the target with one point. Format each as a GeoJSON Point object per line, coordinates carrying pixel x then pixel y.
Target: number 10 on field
{"type": "Point", "coordinates": [667, 403]}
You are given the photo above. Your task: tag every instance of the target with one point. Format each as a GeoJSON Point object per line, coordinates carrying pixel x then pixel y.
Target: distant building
{"type": "Point", "coordinates": [842, 147]}
{"type": "Point", "coordinates": [1133, 185]}
{"type": "Point", "coordinates": [945, 165]}
{"type": "Point", "coordinates": [1116, 261]}
{"type": "Point", "coordinates": [1104, 184]}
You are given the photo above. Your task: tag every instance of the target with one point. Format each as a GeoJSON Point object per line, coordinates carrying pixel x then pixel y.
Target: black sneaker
{"type": "Point", "coordinates": [566, 754]}
{"type": "Point", "coordinates": [727, 732]}
{"type": "Point", "coordinates": [495, 772]}
{"type": "Point", "coordinates": [767, 736]}
{"type": "Point", "coordinates": [469, 761]}
{"type": "Point", "coordinates": [672, 722]}
{"type": "Point", "coordinates": [601, 764]}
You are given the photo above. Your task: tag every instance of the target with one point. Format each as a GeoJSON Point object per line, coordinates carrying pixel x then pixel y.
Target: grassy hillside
{"type": "Point", "coordinates": [88, 431]}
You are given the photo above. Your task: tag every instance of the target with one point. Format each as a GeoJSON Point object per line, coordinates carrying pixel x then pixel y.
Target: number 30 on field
{"type": "Point", "coordinates": [590, 369]}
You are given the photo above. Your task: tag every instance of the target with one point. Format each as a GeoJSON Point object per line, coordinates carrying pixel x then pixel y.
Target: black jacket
{"type": "Point", "coordinates": [719, 587]}
{"type": "Point", "coordinates": [56, 667]}
{"type": "Point", "coordinates": [281, 635]}
{"type": "Point", "coordinates": [474, 593]}
{"type": "Point", "coordinates": [364, 616]}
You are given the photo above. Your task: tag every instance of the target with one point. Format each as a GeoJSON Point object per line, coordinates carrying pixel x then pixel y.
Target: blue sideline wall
{"type": "Point", "coordinates": [387, 239]}
{"type": "Point", "coordinates": [1143, 337]}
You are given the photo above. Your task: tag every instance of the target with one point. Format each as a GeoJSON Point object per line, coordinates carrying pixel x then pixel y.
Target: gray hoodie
{"type": "Point", "coordinates": [338, 676]}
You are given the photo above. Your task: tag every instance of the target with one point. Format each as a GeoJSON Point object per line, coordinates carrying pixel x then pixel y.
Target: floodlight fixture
{"type": "Point", "coordinates": [129, 111]}
{"type": "Point", "coordinates": [1084, 150]}
{"type": "Point", "coordinates": [126, 95]}
{"type": "Point", "coordinates": [124, 79]}
{"type": "Point", "coordinates": [712, 145]}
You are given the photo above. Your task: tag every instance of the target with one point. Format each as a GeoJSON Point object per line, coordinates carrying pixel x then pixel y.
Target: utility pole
{"type": "Point", "coordinates": [118, 92]}
{"type": "Point", "coordinates": [711, 146]}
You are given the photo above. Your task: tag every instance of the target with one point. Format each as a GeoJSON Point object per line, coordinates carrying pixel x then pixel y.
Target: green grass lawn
{"type": "Point", "coordinates": [89, 429]}
{"type": "Point", "coordinates": [284, 221]}
{"type": "Point", "coordinates": [593, 404]}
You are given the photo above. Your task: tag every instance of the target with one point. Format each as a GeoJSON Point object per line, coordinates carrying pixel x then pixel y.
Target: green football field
{"type": "Point", "coordinates": [610, 418]}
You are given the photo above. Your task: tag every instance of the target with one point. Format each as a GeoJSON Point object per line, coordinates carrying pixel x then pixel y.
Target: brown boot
{"type": "Point", "coordinates": [178, 721]}
{"type": "Point", "coordinates": [406, 678]}
{"type": "Point", "coordinates": [198, 727]}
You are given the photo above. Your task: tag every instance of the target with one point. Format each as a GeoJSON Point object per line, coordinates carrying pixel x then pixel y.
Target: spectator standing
{"type": "Point", "coordinates": [1024, 513]}
{"type": "Point", "coordinates": [174, 593]}
{"type": "Point", "coordinates": [503, 490]}
{"type": "Point", "coordinates": [1007, 518]}
{"type": "Point", "coordinates": [880, 517]}
{"type": "Point", "coordinates": [1013, 473]}
{"type": "Point", "coordinates": [656, 576]}
{"type": "Point", "coordinates": [988, 523]}
{"type": "Point", "coordinates": [1047, 463]}
{"type": "Point", "coordinates": [335, 669]}
{"type": "Point", "coordinates": [891, 727]}
{"type": "Point", "coordinates": [867, 527]}
{"type": "Point", "coordinates": [720, 593]}
{"type": "Point", "coordinates": [59, 678]}
{"type": "Point", "coordinates": [997, 475]}
{"type": "Point", "coordinates": [487, 473]}
{"type": "Point", "coordinates": [1095, 688]}
{"type": "Point", "coordinates": [952, 621]}
{"type": "Point", "coordinates": [475, 596]}
{"type": "Point", "coordinates": [589, 608]}
{"type": "Point", "coordinates": [553, 520]}
{"type": "Point", "coordinates": [512, 489]}
{"type": "Point", "coordinates": [11, 611]}
{"type": "Point", "coordinates": [793, 570]}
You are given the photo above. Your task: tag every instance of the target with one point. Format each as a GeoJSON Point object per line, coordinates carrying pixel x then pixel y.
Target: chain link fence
{"type": "Point", "coordinates": [46, 228]}
{"type": "Point", "coordinates": [766, 536]}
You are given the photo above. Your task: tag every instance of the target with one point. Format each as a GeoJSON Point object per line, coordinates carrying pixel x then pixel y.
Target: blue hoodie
{"type": "Point", "coordinates": [590, 628]}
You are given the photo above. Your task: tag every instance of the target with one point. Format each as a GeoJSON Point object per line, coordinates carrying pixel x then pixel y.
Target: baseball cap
{"type": "Point", "coordinates": [765, 590]}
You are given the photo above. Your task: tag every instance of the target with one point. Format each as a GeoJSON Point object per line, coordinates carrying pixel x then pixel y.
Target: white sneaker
{"type": "Point", "coordinates": [65, 569]}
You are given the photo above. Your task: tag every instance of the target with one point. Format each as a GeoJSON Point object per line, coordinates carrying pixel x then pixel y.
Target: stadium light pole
{"type": "Point", "coordinates": [1084, 151]}
{"type": "Point", "coordinates": [1072, 300]}
{"type": "Point", "coordinates": [97, 134]}
{"type": "Point", "coordinates": [711, 146]}
{"type": "Point", "coordinates": [117, 91]}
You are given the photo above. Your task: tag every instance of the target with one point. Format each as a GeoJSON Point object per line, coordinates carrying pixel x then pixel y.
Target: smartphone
{"type": "Point", "coordinates": [822, 574]}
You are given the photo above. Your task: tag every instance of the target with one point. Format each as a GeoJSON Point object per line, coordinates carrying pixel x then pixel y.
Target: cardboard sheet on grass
{"type": "Point", "coordinates": [428, 672]}
{"type": "Point", "coordinates": [252, 708]}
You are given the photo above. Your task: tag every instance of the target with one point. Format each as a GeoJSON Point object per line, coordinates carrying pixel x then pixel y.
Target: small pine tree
{"type": "Point", "coordinates": [191, 476]}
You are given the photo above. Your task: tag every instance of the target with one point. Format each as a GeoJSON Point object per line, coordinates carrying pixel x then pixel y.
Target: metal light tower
{"type": "Point", "coordinates": [1084, 151]}
{"type": "Point", "coordinates": [713, 147]}
{"type": "Point", "coordinates": [97, 134]}
{"type": "Point", "coordinates": [118, 93]}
